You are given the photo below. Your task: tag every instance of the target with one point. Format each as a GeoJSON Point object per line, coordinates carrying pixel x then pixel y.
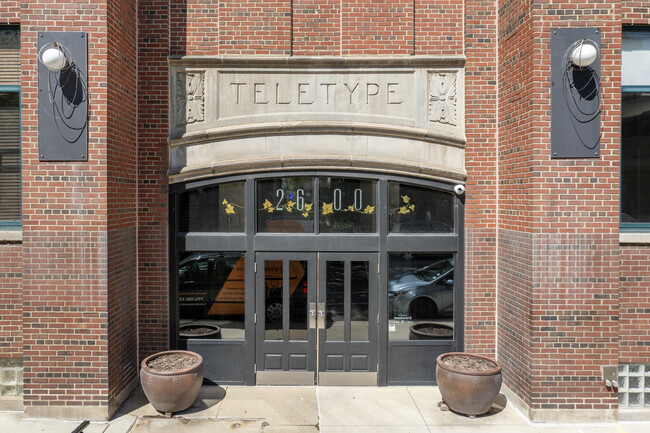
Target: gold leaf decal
{"type": "Point", "coordinates": [290, 205]}
{"type": "Point", "coordinates": [230, 210]}
{"type": "Point", "coordinates": [406, 198]}
{"type": "Point", "coordinates": [369, 209]}
{"type": "Point", "coordinates": [224, 202]}
{"type": "Point", "coordinates": [412, 206]}
{"type": "Point", "coordinates": [404, 210]}
{"type": "Point", "coordinates": [268, 206]}
{"type": "Point", "coordinates": [350, 209]}
{"type": "Point", "coordinates": [328, 208]}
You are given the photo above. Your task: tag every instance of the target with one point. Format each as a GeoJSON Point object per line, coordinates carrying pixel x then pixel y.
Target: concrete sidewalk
{"type": "Point", "coordinates": [306, 410]}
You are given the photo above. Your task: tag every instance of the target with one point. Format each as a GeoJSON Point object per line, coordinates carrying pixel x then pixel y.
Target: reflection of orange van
{"type": "Point", "coordinates": [212, 284]}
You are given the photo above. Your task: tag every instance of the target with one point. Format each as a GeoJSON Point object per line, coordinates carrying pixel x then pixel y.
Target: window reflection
{"type": "Point", "coordinates": [413, 209]}
{"type": "Point", "coordinates": [420, 296]}
{"type": "Point", "coordinates": [211, 289]}
{"type": "Point", "coordinates": [347, 205]}
{"type": "Point", "coordinates": [635, 158]}
{"type": "Point", "coordinates": [212, 209]}
{"type": "Point", "coordinates": [285, 205]}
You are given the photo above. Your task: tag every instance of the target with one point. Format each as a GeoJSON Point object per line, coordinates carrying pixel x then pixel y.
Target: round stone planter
{"type": "Point", "coordinates": [465, 391]}
{"type": "Point", "coordinates": [172, 391]}
{"type": "Point", "coordinates": [430, 331]}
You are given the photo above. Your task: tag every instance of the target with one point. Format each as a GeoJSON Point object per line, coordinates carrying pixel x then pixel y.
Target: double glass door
{"type": "Point", "coordinates": [316, 318]}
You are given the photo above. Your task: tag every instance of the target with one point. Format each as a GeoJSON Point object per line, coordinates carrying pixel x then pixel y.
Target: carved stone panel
{"type": "Point", "coordinates": [190, 97]}
{"type": "Point", "coordinates": [442, 98]}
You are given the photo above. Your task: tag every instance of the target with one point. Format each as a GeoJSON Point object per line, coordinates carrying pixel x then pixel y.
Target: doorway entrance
{"type": "Point", "coordinates": [317, 318]}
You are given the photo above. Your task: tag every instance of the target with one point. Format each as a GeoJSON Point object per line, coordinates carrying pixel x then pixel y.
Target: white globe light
{"type": "Point", "coordinates": [584, 55]}
{"type": "Point", "coordinates": [54, 59]}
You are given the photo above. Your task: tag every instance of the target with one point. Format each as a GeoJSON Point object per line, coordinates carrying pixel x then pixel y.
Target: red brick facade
{"type": "Point", "coordinates": [549, 289]}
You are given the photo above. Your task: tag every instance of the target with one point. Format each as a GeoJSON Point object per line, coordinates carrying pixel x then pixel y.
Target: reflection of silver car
{"type": "Point", "coordinates": [425, 293]}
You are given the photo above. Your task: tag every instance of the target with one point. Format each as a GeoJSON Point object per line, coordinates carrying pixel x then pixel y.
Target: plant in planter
{"type": "Point", "coordinates": [172, 380]}
{"type": "Point", "coordinates": [469, 384]}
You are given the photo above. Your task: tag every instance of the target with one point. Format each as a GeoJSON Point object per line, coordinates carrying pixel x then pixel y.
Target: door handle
{"type": "Point", "coordinates": [321, 315]}
{"type": "Point", "coordinates": [312, 315]}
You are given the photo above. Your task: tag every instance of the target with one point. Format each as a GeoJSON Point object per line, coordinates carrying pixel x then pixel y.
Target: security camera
{"type": "Point", "coordinates": [459, 189]}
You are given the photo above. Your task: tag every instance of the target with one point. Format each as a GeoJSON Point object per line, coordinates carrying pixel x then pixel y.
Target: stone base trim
{"type": "Point", "coordinates": [641, 414]}
{"type": "Point", "coordinates": [80, 413]}
{"type": "Point", "coordinates": [564, 416]}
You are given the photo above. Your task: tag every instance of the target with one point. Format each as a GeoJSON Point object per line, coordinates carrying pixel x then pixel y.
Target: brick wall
{"type": "Point", "coordinates": [635, 12]}
{"type": "Point", "coordinates": [152, 88]}
{"type": "Point", "coordinates": [64, 232]}
{"type": "Point", "coordinates": [481, 153]}
{"type": "Point", "coordinates": [9, 12]}
{"type": "Point", "coordinates": [11, 309]}
{"type": "Point", "coordinates": [439, 26]}
{"type": "Point", "coordinates": [515, 292]}
{"type": "Point", "coordinates": [121, 155]}
{"type": "Point", "coordinates": [316, 27]}
{"type": "Point", "coordinates": [379, 27]}
{"type": "Point", "coordinates": [567, 218]}
{"type": "Point", "coordinates": [634, 343]}
{"type": "Point", "coordinates": [248, 27]}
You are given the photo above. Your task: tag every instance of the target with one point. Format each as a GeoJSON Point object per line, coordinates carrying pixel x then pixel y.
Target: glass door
{"type": "Point", "coordinates": [306, 324]}
{"type": "Point", "coordinates": [348, 313]}
{"type": "Point", "coordinates": [286, 343]}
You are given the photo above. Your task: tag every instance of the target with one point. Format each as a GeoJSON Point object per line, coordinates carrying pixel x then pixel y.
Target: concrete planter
{"type": "Point", "coordinates": [467, 391]}
{"type": "Point", "coordinates": [172, 391]}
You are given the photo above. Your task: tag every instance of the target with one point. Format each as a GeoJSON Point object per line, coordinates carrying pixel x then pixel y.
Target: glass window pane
{"type": "Point", "coordinates": [347, 205]}
{"type": "Point", "coordinates": [420, 296]}
{"type": "Point", "coordinates": [635, 158]}
{"type": "Point", "coordinates": [273, 287]}
{"type": "Point", "coordinates": [335, 300]}
{"type": "Point", "coordinates": [298, 300]}
{"type": "Point", "coordinates": [413, 209]}
{"type": "Point", "coordinates": [359, 290]}
{"type": "Point", "coordinates": [10, 157]}
{"type": "Point", "coordinates": [211, 288]}
{"type": "Point", "coordinates": [285, 205]}
{"type": "Point", "coordinates": [9, 56]}
{"type": "Point", "coordinates": [635, 59]}
{"type": "Point", "coordinates": [218, 208]}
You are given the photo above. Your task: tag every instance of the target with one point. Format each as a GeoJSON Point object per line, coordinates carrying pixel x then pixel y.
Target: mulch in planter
{"type": "Point", "coordinates": [188, 332]}
{"type": "Point", "coordinates": [172, 362]}
{"type": "Point", "coordinates": [462, 362]}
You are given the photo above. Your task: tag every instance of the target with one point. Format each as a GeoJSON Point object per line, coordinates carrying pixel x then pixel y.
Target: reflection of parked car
{"type": "Point", "coordinates": [425, 293]}
{"type": "Point", "coordinates": [211, 284]}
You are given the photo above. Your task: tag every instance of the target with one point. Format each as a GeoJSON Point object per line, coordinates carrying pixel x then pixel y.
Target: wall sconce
{"type": "Point", "coordinates": [54, 57]}
{"type": "Point", "coordinates": [62, 96]}
{"type": "Point", "coordinates": [575, 92]}
{"type": "Point", "coordinates": [583, 53]}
